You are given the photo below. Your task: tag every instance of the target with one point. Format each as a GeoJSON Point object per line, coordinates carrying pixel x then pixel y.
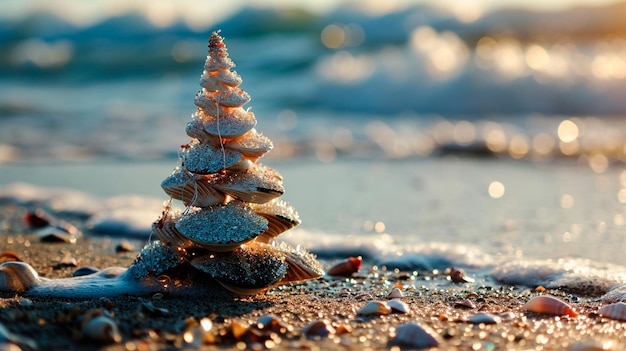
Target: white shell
{"type": "Point", "coordinates": [616, 311]}
{"type": "Point", "coordinates": [395, 293]}
{"type": "Point", "coordinates": [398, 306]}
{"type": "Point", "coordinates": [17, 277]}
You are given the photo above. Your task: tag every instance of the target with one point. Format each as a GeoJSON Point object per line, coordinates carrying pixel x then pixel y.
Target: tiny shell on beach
{"type": "Point", "coordinates": [374, 308]}
{"type": "Point", "coordinates": [346, 267]}
{"type": "Point", "coordinates": [414, 336]}
{"type": "Point", "coordinates": [549, 305]}
{"type": "Point", "coordinates": [616, 311]}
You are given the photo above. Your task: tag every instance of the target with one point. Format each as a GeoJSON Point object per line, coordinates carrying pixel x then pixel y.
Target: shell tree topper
{"type": "Point", "coordinates": [225, 237]}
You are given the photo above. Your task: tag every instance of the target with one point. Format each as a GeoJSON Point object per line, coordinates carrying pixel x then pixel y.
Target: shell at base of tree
{"type": "Point", "coordinates": [233, 213]}
{"type": "Point", "coordinates": [248, 270]}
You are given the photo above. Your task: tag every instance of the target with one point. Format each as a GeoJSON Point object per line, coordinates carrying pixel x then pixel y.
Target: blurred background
{"type": "Point", "coordinates": [85, 80]}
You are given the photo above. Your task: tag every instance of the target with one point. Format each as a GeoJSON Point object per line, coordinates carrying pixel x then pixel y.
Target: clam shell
{"type": "Point", "coordinates": [258, 184]}
{"type": "Point", "coordinates": [191, 189]}
{"type": "Point", "coordinates": [302, 265]}
{"type": "Point", "coordinates": [221, 227]}
{"type": "Point", "coordinates": [398, 306]}
{"type": "Point", "coordinates": [346, 267]}
{"type": "Point", "coordinates": [101, 328]}
{"type": "Point", "coordinates": [247, 270]}
{"type": "Point", "coordinates": [549, 305]}
{"type": "Point", "coordinates": [17, 277]}
{"type": "Point", "coordinates": [374, 308]}
{"type": "Point", "coordinates": [414, 336]}
{"type": "Point", "coordinates": [395, 293]}
{"type": "Point", "coordinates": [252, 145]}
{"type": "Point", "coordinates": [616, 311]}
{"type": "Point", "coordinates": [280, 216]}
{"type": "Point", "coordinates": [207, 158]}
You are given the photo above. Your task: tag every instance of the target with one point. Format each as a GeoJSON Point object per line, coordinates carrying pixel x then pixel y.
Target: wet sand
{"type": "Point", "coordinates": [54, 324]}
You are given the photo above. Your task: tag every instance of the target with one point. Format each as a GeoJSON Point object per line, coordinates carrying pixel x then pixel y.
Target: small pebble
{"type": "Point", "coordinates": [484, 318]}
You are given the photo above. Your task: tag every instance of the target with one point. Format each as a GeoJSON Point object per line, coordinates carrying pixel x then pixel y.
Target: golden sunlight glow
{"type": "Point", "coordinates": [496, 189]}
{"type": "Point", "coordinates": [537, 57]}
{"type": "Point", "coordinates": [496, 140]}
{"type": "Point", "coordinates": [567, 131]}
{"type": "Point", "coordinates": [333, 36]}
{"type": "Point", "coordinates": [598, 163]}
{"type": "Point", "coordinates": [519, 146]}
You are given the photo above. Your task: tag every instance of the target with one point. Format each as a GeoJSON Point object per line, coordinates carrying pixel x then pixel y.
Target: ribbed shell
{"type": "Point", "coordinates": [191, 189]}
{"type": "Point", "coordinates": [221, 227]}
{"type": "Point", "coordinates": [17, 277]}
{"type": "Point", "coordinates": [206, 158]}
{"type": "Point", "coordinates": [280, 216]}
{"type": "Point", "coordinates": [252, 145]}
{"type": "Point", "coordinates": [258, 184]}
{"type": "Point", "coordinates": [247, 270]}
{"type": "Point", "coordinates": [616, 311]}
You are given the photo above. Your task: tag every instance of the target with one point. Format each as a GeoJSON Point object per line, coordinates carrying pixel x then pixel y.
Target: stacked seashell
{"type": "Point", "coordinates": [232, 209]}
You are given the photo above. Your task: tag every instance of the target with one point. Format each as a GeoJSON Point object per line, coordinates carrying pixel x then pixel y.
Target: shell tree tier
{"type": "Point", "coordinates": [233, 211]}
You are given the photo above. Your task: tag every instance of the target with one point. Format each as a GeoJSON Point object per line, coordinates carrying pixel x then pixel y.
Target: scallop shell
{"type": "Point", "coordinates": [252, 145]}
{"type": "Point", "coordinates": [205, 158]}
{"type": "Point", "coordinates": [17, 277]}
{"type": "Point", "coordinates": [346, 267]}
{"type": "Point", "coordinates": [258, 184]}
{"type": "Point", "coordinates": [302, 265]}
{"type": "Point", "coordinates": [398, 306]}
{"type": "Point", "coordinates": [374, 308]}
{"type": "Point", "coordinates": [247, 270]}
{"type": "Point", "coordinates": [616, 311]}
{"type": "Point", "coordinates": [191, 189]}
{"type": "Point", "coordinates": [549, 305]}
{"type": "Point", "coordinates": [221, 227]}
{"type": "Point", "coordinates": [165, 230]}
{"type": "Point", "coordinates": [414, 336]}
{"type": "Point", "coordinates": [280, 216]}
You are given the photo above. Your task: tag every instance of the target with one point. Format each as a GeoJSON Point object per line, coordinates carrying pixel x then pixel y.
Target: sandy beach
{"type": "Point", "coordinates": [433, 301]}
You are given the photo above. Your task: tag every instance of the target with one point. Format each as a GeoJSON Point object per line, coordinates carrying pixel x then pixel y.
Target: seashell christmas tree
{"type": "Point", "coordinates": [232, 210]}
{"type": "Point", "coordinates": [226, 234]}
